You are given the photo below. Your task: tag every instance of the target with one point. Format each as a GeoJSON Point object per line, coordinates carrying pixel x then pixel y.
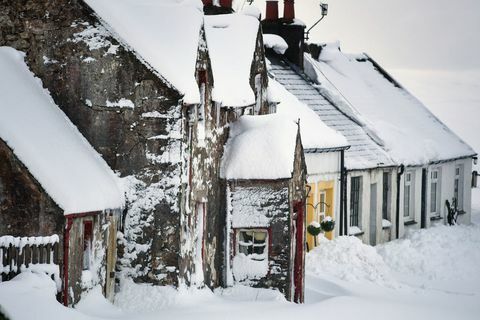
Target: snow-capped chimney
{"type": "Point", "coordinates": [226, 4]}
{"type": "Point", "coordinates": [271, 10]}
{"type": "Point", "coordinates": [288, 9]}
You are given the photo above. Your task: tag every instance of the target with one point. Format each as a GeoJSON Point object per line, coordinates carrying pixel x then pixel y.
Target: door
{"type": "Point", "coordinates": [299, 257]}
{"type": "Point", "coordinates": [373, 214]}
{"type": "Point", "coordinates": [423, 218]}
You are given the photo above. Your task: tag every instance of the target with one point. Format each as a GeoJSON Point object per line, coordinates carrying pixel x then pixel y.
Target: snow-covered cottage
{"type": "Point", "coordinates": [265, 172]}
{"type": "Point", "coordinates": [436, 163]}
{"type": "Point", "coordinates": [324, 156]}
{"type": "Point", "coordinates": [369, 171]}
{"type": "Point", "coordinates": [55, 189]}
{"type": "Point", "coordinates": [138, 80]}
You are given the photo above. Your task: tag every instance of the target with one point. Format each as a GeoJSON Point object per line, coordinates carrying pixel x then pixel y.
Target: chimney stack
{"type": "Point", "coordinates": [272, 10]}
{"type": "Point", "coordinates": [226, 4]}
{"type": "Point", "coordinates": [288, 9]}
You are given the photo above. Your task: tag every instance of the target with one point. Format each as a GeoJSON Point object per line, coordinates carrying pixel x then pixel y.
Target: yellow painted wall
{"type": "Point", "coordinates": [313, 199]}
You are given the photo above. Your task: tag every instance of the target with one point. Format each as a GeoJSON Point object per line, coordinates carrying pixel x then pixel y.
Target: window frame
{"type": "Point", "coordinates": [409, 205]}
{"type": "Point", "coordinates": [458, 185]}
{"type": "Point", "coordinates": [355, 201]}
{"type": "Point", "coordinates": [434, 203]}
{"type": "Point", "coordinates": [266, 252]}
{"type": "Point", "coordinates": [322, 210]}
{"type": "Point", "coordinates": [386, 189]}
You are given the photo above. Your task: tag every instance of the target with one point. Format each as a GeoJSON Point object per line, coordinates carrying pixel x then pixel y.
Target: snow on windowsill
{"type": "Point", "coordinates": [354, 231]}
{"type": "Point", "coordinates": [386, 224]}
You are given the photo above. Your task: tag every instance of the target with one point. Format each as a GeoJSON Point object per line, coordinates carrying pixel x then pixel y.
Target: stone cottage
{"type": "Point", "coordinates": [150, 105]}
{"type": "Point", "coordinates": [53, 185]}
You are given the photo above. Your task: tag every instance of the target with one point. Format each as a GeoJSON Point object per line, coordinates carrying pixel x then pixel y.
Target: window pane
{"type": "Point", "coordinates": [433, 197]}
{"type": "Point", "coordinates": [260, 237]}
{"type": "Point", "coordinates": [406, 202]}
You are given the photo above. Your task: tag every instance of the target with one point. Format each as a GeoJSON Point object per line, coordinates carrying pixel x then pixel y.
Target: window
{"type": "Point", "coordinates": [322, 204]}
{"type": "Point", "coordinates": [202, 78]}
{"type": "Point", "coordinates": [458, 186]}
{"type": "Point", "coordinates": [253, 243]}
{"type": "Point", "coordinates": [408, 192]}
{"type": "Point", "coordinates": [434, 192]}
{"type": "Point", "coordinates": [258, 93]}
{"type": "Point", "coordinates": [355, 201]}
{"type": "Point", "coordinates": [87, 243]}
{"type": "Point", "coordinates": [385, 196]}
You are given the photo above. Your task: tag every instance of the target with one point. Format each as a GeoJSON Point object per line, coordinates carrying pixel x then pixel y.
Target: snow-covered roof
{"type": "Point", "coordinates": [314, 132]}
{"type": "Point", "coordinates": [260, 147]}
{"type": "Point", "coordinates": [165, 33]}
{"type": "Point", "coordinates": [49, 145]}
{"type": "Point", "coordinates": [364, 152]}
{"type": "Point", "coordinates": [275, 42]}
{"type": "Point", "coordinates": [231, 40]}
{"type": "Point", "coordinates": [412, 135]}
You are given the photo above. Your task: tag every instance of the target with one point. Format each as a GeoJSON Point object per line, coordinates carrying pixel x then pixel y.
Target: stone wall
{"type": "Point", "coordinates": [128, 114]}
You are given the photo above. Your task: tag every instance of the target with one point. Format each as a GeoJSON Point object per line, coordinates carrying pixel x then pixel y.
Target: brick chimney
{"type": "Point", "coordinates": [288, 9]}
{"type": "Point", "coordinates": [292, 33]}
{"type": "Point", "coordinates": [207, 2]}
{"type": "Point", "coordinates": [272, 10]}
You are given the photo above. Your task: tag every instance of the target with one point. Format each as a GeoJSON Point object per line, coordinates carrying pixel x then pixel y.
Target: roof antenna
{"type": "Point", "coordinates": [324, 12]}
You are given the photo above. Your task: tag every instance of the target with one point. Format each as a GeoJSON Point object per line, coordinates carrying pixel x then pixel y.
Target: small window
{"type": "Point", "coordinates": [87, 244]}
{"type": "Point", "coordinates": [458, 187]}
{"type": "Point", "coordinates": [355, 201]}
{"type": "Point", "coordinates": [253, 243]}
{"type": "Point", "coordinates": [408, 197]}
{"type": "Point", "coordinates": [385, 196]}
{"type": "Point", "coordinates": [434, 192]}
{"type": "Point", "coordinates": [323, 199]}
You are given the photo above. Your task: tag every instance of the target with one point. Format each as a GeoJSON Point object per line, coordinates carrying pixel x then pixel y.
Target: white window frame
{"type": "Point", "coordinates": [322, 210]}
{"type": "Point", "coordinates": [409, 189]}
{"type": "Point", "coordinates": [434, 203]}
{"type": "Point", "coordinates": [458, 185]}
{"type": "Point", "coordinates": [253, 256]}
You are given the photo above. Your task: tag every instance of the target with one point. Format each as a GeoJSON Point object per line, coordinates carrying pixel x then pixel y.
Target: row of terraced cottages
{"type": "Point", "coordinates": [192, 154]}
{"type": "Point", "coordinates": [404, 167]}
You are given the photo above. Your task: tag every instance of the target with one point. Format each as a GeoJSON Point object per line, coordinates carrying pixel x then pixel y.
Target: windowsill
{"type": "Point", "coordinates": [409, 223]}
{"type": "Point", "coordinates": [435, 218]}
{"type": "Point", "coordinates": [462, 212]}
{"type": "Point", "coordinates": [356, 234]}
{"type": "Point", "coordinates": [386, 227]}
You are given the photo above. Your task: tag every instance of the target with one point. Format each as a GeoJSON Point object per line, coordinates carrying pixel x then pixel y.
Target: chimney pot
{"type": "Point", "coordinates": [226, 4]}
{"type": "Point", "coordinates": [271, 10]}
{"type": "Point", "coordinates": [288, 9]}
{"type": "Point", "coordinates": [207, 2]}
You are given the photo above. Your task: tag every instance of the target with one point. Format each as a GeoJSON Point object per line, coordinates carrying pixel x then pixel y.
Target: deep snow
{"type": "Point", "coordinates": [430, 274]}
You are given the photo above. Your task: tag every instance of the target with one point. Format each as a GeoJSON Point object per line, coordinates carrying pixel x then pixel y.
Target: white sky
{"type": "Point", "coordinates": [406, 34]}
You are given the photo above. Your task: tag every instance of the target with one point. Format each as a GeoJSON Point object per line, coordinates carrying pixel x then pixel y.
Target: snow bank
{"type": "Point", "coordinates": [275, 42]}
{"type": "Point", "coordinates": [245, 268]}
{"type": "Point", "coordinates": [231, 40]}
{"type": "Point", "coordinates": [347, 258]}
{"type": "Point", "coordinates": [32, 296]}
{"type": "Point", "coordinates": [165, 33]}
{"type": "Point", "coordinates": [314, 132]}
{"type": "Point", "coordinates": [49, 145]}
{"type": "Point", "coordinates": [411, 133]}
{"type": "Point", "coordinates": [260, 147]}
{"type": "Point", "coordinates": [439, 253]}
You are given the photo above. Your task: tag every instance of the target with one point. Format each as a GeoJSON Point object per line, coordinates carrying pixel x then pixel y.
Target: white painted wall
{"type": "Point", "coordinates": [370, 177]}
{"type": "Point", "coordinates": [446, 192]}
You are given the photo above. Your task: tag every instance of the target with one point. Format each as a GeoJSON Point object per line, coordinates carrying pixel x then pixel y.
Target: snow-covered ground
{"type": "Point", "coordinates": [430, 274]}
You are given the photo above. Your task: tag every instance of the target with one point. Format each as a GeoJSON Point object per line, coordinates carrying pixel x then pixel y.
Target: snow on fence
{"type": "Point", "coordinates": [36, 254]}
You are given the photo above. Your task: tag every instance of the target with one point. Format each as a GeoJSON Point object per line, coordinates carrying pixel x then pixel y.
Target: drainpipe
{"type": "Point", "coordinates": [342, 178]}
{"type": "Point", "coordinates": [66, 247]}
{"type": "Point", "coordinates": [397, 217]}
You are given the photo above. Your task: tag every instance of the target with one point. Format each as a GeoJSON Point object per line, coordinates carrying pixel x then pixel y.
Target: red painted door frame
{"type": "Point", "coordinates": [299, 264]}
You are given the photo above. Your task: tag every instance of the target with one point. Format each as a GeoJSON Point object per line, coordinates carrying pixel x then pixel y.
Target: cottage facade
{"type": "Point", "coordinates": [53, 185]}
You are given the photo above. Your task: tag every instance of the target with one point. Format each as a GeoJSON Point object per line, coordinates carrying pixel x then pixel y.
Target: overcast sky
{"type": "Point", "coordinates": [420, 34]}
